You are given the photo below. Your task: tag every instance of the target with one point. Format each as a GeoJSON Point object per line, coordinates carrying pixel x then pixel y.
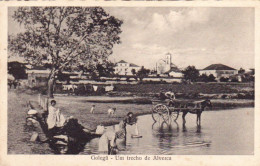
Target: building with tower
{"type": "Point", "coordinates": [166, 67]}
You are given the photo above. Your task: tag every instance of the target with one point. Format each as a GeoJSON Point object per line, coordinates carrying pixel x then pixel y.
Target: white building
{"type": "Point", "coordinates": [219, 70]}
{"type": "Point", "coordinates": [125, 68]}
{"type": "Point", "coordinates": [175, 72]}
{"type": "Point", "coordinates": [166, 67]}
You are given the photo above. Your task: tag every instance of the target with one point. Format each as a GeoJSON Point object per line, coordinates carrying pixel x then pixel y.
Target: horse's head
{"type": "Point", "coordinates": [207, 103]}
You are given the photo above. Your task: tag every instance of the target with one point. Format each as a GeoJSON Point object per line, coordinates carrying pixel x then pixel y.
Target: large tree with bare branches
{"type": "Point", "coordinates": [64, 37]}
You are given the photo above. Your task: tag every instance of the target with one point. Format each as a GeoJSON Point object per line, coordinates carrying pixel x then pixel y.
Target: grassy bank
{"type": "Point", "coordinates": [18, 139]}
{"type": "Point", "coordinates": [205, 88]}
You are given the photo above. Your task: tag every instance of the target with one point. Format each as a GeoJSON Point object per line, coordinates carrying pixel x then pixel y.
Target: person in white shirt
{"type": "Point", "coordinates": [55, 119]}
{"type": "Point", "coordinates": [92, 109]}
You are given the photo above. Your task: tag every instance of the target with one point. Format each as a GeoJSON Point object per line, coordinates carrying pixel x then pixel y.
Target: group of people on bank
{"type": "Point", "coordinates": [55, 122]}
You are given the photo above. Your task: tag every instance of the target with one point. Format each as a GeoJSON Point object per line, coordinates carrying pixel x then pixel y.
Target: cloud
{"type": "Point", "coordinates": [176, 21]}
{"type": "Point", "coordinates": [194, 36]}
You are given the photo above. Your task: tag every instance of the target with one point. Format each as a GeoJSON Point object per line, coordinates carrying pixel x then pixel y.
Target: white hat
{"type": "Point", "coordinates": [32, 112]}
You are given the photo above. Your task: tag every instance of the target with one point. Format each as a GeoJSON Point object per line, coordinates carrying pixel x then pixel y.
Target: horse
{"type": "Point", "coordinates": [196, 107]}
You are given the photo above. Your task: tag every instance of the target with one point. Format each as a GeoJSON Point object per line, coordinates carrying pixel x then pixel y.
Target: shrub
{"type": "Point", "coordinates": [80, 90]}
{"type": "Point", "coordinates": [234, 80]}
{"type": "Point", "coordinates": [223, 79]}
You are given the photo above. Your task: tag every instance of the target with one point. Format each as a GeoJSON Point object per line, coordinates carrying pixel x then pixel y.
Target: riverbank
{"type": "Point", "coordinates": [79, 107]}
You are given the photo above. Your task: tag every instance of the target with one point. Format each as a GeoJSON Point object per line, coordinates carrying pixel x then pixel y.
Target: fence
{"type": "Point", "coordinates": [43, 102]}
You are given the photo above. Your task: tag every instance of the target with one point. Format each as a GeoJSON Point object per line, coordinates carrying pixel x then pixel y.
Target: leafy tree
{"type": "Point", "coordinates": [94, 76]}
{"type": "Point", "coordinates": [106, 69]}
{"type": "Point", "coordinates": [63, 77]}
{"type": "Point", "coordinates": [241, 71]}
{"type": "Point", "coordinates": [203, 78]}
{"type": "Point", "coordinates": [142, 73]}
{"type": "Point", "coordinates": [191, 74]}
{"type": "Point", "coordinates": [17, 69]}
{"type": "Point", "coordinates": [133, 71]}
{"type": "Point", "coordinates": [252, 71]}
{"type": "Point", "coordinates": [64, 37]}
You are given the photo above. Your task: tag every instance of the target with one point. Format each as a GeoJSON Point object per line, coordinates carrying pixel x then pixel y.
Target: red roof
{"type": "Point", "coordinates": [218, 67]}
{"type": "Point", "coordinates": [122, 61]}
{"type": "Point", "coordinates": [133, 65]}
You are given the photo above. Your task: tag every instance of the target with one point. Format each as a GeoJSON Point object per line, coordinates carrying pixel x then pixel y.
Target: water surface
{"type": "Point", "coordinates": [227, 132]}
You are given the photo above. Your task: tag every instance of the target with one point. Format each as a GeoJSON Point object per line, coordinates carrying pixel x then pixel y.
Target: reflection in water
{"type": "Point", "coordinates": [175, 138]}
{"type": "Point", "coordinates": [198, 128]}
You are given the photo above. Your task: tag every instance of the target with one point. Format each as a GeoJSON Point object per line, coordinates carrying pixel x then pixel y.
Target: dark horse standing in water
{"type": "Point", "coordinates": [196, 107]}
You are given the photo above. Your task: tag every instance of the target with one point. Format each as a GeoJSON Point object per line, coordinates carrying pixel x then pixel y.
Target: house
{"type": "Point", "coordinates": [37, 76]}
{"type": "Point", "coordinates": [174, 72]}
{"type": "Point", "coordinates": [166, 67]}
{"type": "Point", "coordinates": [125, 68]}
{"type": "Point", "coordinates": [219, 70]}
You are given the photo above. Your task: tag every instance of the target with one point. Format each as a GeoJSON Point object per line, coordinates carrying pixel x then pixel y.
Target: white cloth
{"type": "Point", "coordinates": [95, 88]}
{"type": "Point", "coordinates": [69, 87]}
{"type": "Point", "coordinates": [108, 138]}
{"type": "Point", "coordinates": [32, 112]}
{"type": "Point", "coordinates": [100, 129]}
{"type": "Point", "coordinates": [109, 88]}
{"type": "Point", "coordinates": [55, 118]}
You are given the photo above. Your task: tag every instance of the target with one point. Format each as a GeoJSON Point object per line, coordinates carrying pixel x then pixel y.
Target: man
{"type": "Point", "coordinates": [170, 94]}
{"type": "Point", "coordinates": [37, 125]}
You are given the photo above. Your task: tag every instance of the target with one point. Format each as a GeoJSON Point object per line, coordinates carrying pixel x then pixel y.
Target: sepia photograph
{"type": "Point", "coordinates": [131, 81]}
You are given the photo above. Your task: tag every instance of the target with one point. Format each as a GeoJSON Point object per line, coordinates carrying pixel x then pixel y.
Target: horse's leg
{"type": "Point", "coordinates": [199, 118]}
{"type": "Point", "coordinates": [183, 117]}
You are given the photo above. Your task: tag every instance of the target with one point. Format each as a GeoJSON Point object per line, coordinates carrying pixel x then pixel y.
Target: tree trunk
{"type": "Point", "coordinates": [51, 83]}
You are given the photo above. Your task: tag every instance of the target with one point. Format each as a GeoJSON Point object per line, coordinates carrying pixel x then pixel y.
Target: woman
{"type": "Point", "coordinates": [55, 119]}
{"type": "Point", "coordinates": [130, 120]}
{"type": "Point", "coordinates": [107, 143]}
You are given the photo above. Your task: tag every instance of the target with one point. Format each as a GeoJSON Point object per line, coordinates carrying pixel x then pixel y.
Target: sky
{"type": "Point", "coordinates": [194, 36]}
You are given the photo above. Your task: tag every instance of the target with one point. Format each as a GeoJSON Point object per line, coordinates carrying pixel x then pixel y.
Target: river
{"type": "Point", "coordinates": [227, 132]}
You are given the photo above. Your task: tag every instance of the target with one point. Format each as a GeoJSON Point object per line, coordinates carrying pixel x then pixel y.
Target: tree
{"type": "Point", "coordinates": [133, 71]}
{"type": "Point", "coordinates": [106, 69]}
{"type": "Point", "coordinates": [241, 71]}
{"type": "Point", "coordinates": [64, 37]}
{"type": "Point", "coordinates": [203, 78]}
{"type": "Point", "coordinates": [142, 73]}
{"type": "Point", "coordinates": [191, 74]}
{"type": "Point", "coordinates": [223, 79]}
{"type": "Point", "coordinates": [17, 69]}
{"type": "Point", "coordinates": [211, 78]}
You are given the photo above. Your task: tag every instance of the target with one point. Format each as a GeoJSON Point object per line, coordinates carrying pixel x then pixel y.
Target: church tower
{"type": "Point", "coordinates": [168, 59]}
{"type": "Point", "coordinates": [168, 62]}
